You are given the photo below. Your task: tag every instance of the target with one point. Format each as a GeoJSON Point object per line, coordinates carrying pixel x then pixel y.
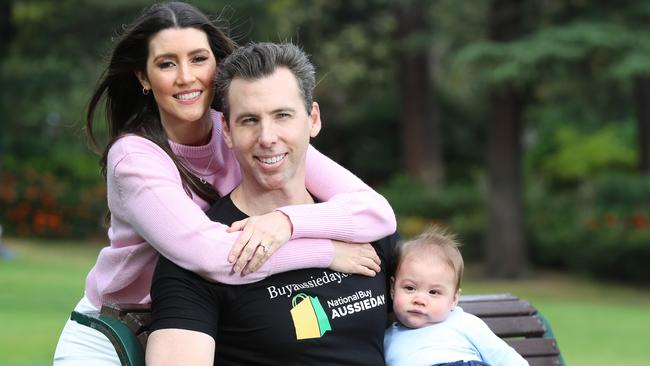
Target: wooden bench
{"type": "Point", "coordinates": [518, 323]}
{"type": "Point", "coordinates": [513, 319]}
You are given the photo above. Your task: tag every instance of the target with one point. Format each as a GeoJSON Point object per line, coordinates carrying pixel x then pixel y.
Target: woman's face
{"type": "Point", "coordinates": [180, 73]}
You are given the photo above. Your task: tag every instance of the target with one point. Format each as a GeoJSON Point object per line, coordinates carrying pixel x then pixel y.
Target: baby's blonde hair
{"type": "Point", "coordinates": [437, 241]}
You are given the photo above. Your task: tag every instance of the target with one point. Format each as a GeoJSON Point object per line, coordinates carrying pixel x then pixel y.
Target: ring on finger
{"type": "Point", "coordinates": [265, 248]}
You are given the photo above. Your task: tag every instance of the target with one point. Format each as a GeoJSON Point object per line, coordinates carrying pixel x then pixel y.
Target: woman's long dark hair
{"type": "Point", "coordinates": [128, 110]}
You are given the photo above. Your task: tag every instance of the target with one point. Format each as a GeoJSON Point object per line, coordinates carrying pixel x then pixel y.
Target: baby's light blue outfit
{"type": "Point", "coordinates": [462, 337]}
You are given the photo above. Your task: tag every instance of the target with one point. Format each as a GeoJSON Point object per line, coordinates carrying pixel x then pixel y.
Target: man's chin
{"type": "Point", "coordinates": [271, 183]}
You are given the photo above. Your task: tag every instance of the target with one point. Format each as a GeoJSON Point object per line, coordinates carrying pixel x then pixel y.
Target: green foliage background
{"type": "Point", "coordinates": [576, 60]}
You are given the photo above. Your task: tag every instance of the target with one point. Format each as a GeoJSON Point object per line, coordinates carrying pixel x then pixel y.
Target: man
{"type": "Point", "coordinates": [306, 316]}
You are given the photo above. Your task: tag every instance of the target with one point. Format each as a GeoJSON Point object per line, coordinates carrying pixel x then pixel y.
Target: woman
{"type": "Point", "coordinates": [166, 163]}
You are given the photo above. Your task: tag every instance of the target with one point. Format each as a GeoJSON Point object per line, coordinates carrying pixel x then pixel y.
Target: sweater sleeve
{"type": "Point", "coordinates": [146, 193]}
{"type": "Point", "coordinates": [351, 211]}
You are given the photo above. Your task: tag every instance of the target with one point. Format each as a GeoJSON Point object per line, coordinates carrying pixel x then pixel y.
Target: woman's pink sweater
{"type": "Point", "coordinates": [151, 213]}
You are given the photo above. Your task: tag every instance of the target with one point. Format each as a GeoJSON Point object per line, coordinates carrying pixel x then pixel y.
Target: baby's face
{"type": "Point", "coordinates": [423, 290]}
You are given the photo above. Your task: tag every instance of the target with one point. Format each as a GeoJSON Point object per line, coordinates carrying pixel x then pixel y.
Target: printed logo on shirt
{"type": "Point", "coordinates": [309, 318]}
{"type": "Point", "coordinates": [355, 303]}
{"type": "Point", "coordinates": [313, 282]}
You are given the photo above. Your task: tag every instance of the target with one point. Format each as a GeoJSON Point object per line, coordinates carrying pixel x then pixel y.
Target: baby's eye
{"type": "Point", "coordinates": [409, 288]}
{"type": "Point", "coordinates": [434, 292]}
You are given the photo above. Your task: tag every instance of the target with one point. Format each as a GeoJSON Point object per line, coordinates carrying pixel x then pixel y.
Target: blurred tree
{"type": "Point", "coordinates": [580, 64]}
{"type": "Point", "coordinates": [628, 59]}
{"type": "Point", "coordinates": [593, 58]}
{"type": "Point", "coordinates": [47, 70]}
{"type": "Point", "coordinates": [642, 100]}
{"type": "Point", "coordinates": [421, 134]}
{"type": "Point", "coordinates": [506, 251]}
{"type": "Point", "coordinates": [640, 19]}
{"type": "Point", "coordinates": [583, 64]}
{"type": "Point", "coordinates": [6, 34]}
{"type": "Point", "coordinates": [6, 26]}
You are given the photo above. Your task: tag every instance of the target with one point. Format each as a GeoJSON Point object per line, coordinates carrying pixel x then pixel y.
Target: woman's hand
{"type": "Point", "coordinates": [355, 258]}
{"type": "Point", "coordinates": [261, 236]}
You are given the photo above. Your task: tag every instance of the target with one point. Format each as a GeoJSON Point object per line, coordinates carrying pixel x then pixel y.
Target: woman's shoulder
{"type": "Point", "coordinates": [131, 145]}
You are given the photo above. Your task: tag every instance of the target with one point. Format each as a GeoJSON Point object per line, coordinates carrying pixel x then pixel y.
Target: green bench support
{"type": "Point", "coordinates": [126, 326]}
{"type": "Point", "coordinates": [513, 319]}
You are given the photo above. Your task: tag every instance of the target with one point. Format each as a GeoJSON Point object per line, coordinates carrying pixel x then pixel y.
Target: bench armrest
{"type": "Point", "coordinates": [123, 339]}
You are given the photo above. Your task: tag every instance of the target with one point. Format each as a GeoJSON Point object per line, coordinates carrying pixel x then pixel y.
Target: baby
{"type": "Point", "coordinates": [431, 328]}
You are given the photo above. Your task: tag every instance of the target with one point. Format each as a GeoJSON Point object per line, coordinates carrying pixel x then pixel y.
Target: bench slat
{"type": "Point", "coordinates": [534, 347]}
{"type": "Point", "coordinates": [516, 326]}
{"type": "Point", "coordinates": [499, 308]}
{"type": "Point", "coordinates": [486, 297]}
{"type": "Point", "coordinates": [544, 361]}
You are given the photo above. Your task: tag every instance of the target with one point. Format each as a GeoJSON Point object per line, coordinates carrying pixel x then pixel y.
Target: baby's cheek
{"type": "Point", "coordinates": [439, 313]}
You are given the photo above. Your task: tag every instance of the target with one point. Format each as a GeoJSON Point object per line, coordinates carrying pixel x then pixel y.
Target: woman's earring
{"type": "Point", "coordinates": [145, 91]}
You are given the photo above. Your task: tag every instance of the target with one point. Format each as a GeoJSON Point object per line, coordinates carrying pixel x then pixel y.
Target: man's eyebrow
{"type": "Point", "coordinates": [245, 115]}
{"type": "Point", "coordinates": [283, 109]}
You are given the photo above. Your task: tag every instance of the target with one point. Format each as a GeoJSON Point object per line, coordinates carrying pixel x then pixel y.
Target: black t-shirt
{"type": "Point", "coordinates": [310, 316]}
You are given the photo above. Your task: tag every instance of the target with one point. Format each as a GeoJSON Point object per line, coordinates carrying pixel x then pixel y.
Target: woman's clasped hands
{"type": "Point", "coordinates": [263, 235]}
{"type": "Point", "coordinates": [260, 237]}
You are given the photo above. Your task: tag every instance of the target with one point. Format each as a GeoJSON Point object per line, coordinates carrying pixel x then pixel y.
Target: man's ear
{"type": "Point", "coordinates": [314, 120]}
{"type": "Point", "coordinates": [226, 131]}
{"type": "Point", "coordinates": [142, 78]}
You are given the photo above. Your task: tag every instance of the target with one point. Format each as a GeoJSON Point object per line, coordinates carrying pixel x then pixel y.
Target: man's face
{"type": "Point", "coordinates": [269, 130]}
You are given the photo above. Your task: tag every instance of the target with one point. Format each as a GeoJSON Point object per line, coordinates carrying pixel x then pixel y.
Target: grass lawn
{"type": "Point", "coordinates": [595, 323]}
{"type": "Point", "coordinates": [40, 287]}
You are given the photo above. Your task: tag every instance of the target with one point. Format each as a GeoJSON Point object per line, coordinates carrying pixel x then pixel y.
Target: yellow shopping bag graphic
{"type": "Point", "coordinates": [309, 317]}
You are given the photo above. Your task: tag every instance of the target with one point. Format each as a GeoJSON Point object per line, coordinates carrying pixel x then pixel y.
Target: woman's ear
{"type": "Point", "coordinates": [142, 78]}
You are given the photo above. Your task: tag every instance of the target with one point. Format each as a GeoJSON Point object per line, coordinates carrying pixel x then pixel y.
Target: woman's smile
{"type": "Point", "coordinates": [188, 97]}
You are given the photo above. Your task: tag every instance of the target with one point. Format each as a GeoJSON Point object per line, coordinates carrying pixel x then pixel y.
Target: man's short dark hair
{"type": "Point", "coordinates": [257, 60]}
